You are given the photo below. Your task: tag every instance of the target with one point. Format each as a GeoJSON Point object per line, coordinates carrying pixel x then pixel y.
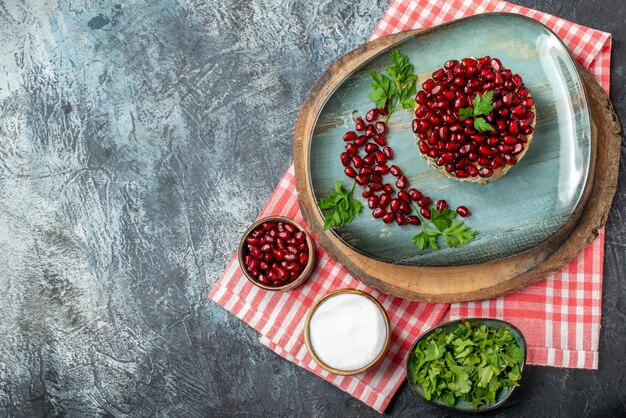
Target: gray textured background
{"type": "Point", "coordinates": [137, 142]}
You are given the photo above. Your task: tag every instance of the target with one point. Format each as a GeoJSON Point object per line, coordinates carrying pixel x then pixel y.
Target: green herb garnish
{"type": "Point", "coordinates": [397, 87]}
{"type": "Point", "coordinates": [455, 232]}
{"type": "Point", "coordinates": [339, 207]}
{"type": "Point", "coordinates": [472, 363]}
{"type": "Point", "coordinates": [481, 105]}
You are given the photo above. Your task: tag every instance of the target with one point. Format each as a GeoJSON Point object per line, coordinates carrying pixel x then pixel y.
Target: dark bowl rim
{"type": "Point", "coordinates": [310, 246]}
{"type": "Point", "coordinates": [489, 408]}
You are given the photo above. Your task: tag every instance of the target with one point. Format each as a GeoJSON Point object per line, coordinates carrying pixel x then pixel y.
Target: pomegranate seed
{"type": "Point", "coordinates": [402, 182]}
{"type": "Point", "coordinates": [388, 188]}
{"type": "Point", "coordinates": [415, 194]}
{"type": "Point", "coordinates": [373, 201]}
{"type": "Point", "coordinates": [421, 97]}
{"type": "Point", "coordinates": [484, 150]}
{"type": "Point", "coordinates": [381, 169]}
{"type": "Point", "coordinates": [497, 162]}
{"type": "Point", "coordinates": [369, 160]}
{"type": "Point", "coordinates": [388, 152]}
{"type": "Point", "coordinates": [366, 171]}
{"type": "Point", "coordinates": [424, 201]}
{"type": "Point", "coordinates": [380, 140]}
{"type": "Point", "coordinates": [509, 159]}
{"type": "Point", "coordinates": [484, 61]}
{"type": "Point", "coordinates": [395, 205]}
{"type": "Point", "coordinates": [378, 212]}
{"type": "Point", "coordinates": [381, 127]}
{"type": "Point", "coordinates": [352, 149]}
{"type": "Point", "coordinates": [369, 148]}
{"type": "Point", "coordinates": [370, 130]}
{"type": "Point", "coordinates": [496, 64]}
{"type": "Point", "coordinates": [462, 211]}
{"type": "Point", "coordinates": [404, 196]}
{"type": "Point", "coordinates": [376, 177]}
{"type": "Point", "coordinates": [450, 64]}
{"type": "Point", "coordinates": [357, 161]}
{"type": "Point", "coordinates": [428, 85]}
{"type": "Point", "coordinates": [349, 171]}
{"type": "Point", "coordinates": [367, 191]}
{"type": "Point", "coordinates": [349, 136]}
{"type": "Point", "coordinates": [401, 219]}
{"type": "Point", "coordinates": [361, 180]}
{"type": "Point", "coordinates": [304, 259]}
{"type": "Point", "coordinates": [460, 173]}
{"type": "Point", "coordinates": [438, 75]}
{"type": "Point", "coordinates": [377, 186]}
{"type": "Point", "coordinates": [388, 218]}
{"type": "Point", "coordinates": [425, 212]}
{"type": "Point", "coordinates": [381, 158]}
{"type": "Point", "coordinates": [441, 205]}
{"type": "Point", "coordinates": [472, 170]}
{"type": "Point", "coordinates": [385, 198]}
{"type": "Point", "coordinates": [372, 115]}
{"type": "Point", "coordinates": [413, 220]}
{"type": "Point", "coordinates": [395, 171]}
{"type": "Point", "coordinates": [360, 140]}
{"type": "Point", "coordinates": [360, 124]}
{"type": "Point", "coordinates": [493, 140]}
{"type": "Point", "coordinates": [485, 172]}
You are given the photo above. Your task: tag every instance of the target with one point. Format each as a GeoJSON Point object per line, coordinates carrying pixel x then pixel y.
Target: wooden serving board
{"type": "Point", "coordinates": [470, 281]}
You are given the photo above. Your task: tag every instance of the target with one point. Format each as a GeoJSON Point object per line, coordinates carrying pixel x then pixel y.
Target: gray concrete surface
{"type": "Point", "coordinates": [137, 141]}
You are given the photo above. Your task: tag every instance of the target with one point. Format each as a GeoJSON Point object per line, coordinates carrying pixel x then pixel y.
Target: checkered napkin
{"type": "Point", "coordinates": [560, 316]}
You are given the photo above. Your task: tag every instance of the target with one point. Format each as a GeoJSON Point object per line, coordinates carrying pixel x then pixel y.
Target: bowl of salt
{"type": "Point", "coordinates": [347, 332]}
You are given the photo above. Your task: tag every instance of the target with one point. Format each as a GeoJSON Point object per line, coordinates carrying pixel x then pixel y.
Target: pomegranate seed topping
{"type": "Point", "coordinates": [373, 201]}
{"type": "Point", "coordinates": [366, 171]}
{"type": "Point", "coordinates": [352, 149]}
{"type": "Point", "coordinates": [428, 85]}
{"type": "Point", "coordinates": [424, 201]}
{"type": "Point", "coordinates": [441, 205]}
{"type": "Point", "coordinates": [460, 173]}
{"type": "Point", "coordinates": [388, 152]}
{"type": "Point", "coordinates": [381, 127]}
{"type": "Point", "coordinates": [450, 64]}
{"type": "Point", "coordinates": [357, 161]}
{"type": "Point", "coordinates": [369, 148]}
{"type": "Point", "coordinates": [377, 186]}
{"type": "Point", "coordinates": [425, 212]}
{"type": "Point", "coordinates": [485, 172]}
{"type": "Point", "coordinates": [349, 136]}
{"type": "Point", "coordinates": [367, 191]}
{"type": "Point", "coordinates": [496, 64]}
{"type": "Point", "coordinates": [372, 115]}
{"type": "Point", "coordinates": [349, 171]}
{"type": "Point", "coordinates": [404, 196]}
{"type": "Point", "coordinates": [438, 75]}
{"type": "Point", "coordinates": [462, 211]}
{"type": "Point", "coordinates": [388, 188]}
{"type": "Point", "coordinates": [361, 180]}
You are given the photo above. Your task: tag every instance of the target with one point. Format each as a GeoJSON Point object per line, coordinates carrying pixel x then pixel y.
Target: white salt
{"type": "Point", "coordinates": [347, 331]}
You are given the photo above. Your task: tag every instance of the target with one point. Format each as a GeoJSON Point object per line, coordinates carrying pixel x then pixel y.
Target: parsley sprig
{"type": "Point", "coordinates": [454, 231]}
{"type": "Point", "coordinates": [397, 87]}
{"type": "Point", "coordinates": [339, 207]}
{"type": "Point", "coordinates": [471, 363]}
{"type": "Point", "coordinates": [481, 105]}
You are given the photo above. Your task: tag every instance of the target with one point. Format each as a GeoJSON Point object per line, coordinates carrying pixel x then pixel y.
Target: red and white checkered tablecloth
{"type": "Point", "coordinates": [560, 316]}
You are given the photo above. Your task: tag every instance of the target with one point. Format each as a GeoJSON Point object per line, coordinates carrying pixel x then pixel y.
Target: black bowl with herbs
{"type": "Point", "coordinates": [467, 365]}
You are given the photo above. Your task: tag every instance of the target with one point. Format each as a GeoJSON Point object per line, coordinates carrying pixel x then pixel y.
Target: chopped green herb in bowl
{"type": "Point", "coordinates": [467, 365]}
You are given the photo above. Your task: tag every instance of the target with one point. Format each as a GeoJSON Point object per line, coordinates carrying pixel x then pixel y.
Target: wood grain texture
{"type": "Point", "coordinates": [482, 281]}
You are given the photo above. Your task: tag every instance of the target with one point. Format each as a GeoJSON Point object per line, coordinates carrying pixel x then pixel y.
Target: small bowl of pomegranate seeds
{"type": "Point", "coordinates": [276, 253]}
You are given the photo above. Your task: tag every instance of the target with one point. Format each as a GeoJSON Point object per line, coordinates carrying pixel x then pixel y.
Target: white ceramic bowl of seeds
{"type": "Point", "coordinates": [347, 332]}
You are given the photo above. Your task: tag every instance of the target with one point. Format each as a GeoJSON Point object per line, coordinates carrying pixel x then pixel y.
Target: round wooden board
{"type": "Point", "coordinates": [470, 282]}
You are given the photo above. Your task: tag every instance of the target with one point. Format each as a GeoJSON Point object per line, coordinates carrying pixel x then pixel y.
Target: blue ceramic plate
{"type": "Point", "coordinates": [448, 327]}
{"type": "Point", "coordinates": [515, 213]}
